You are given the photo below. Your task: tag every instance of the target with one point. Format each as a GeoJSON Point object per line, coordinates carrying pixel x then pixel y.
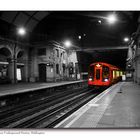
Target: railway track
{"type": "Point", "coordinates": [45, 112]}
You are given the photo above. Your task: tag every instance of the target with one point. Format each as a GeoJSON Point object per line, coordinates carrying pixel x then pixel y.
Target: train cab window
{"type": "Point", "coordinates": [105, 73]}
{"type": "Point", "coordinates": [97, 74]}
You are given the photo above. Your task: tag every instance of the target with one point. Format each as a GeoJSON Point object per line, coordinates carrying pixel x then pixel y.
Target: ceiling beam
{"type": "Point", "coordinates": [106, 48]}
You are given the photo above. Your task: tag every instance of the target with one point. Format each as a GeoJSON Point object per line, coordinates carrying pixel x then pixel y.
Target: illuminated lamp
{"type": "Point", "coordinates": [90, 79]}
{"type": "Point", "coordinates": [112, 19]}
{"type": "Point", "coordinates": [67, 43]}
{"type": "Point", "coordinates": [21, 31]}
{"type": "Point", "coordinates": [98, 65]}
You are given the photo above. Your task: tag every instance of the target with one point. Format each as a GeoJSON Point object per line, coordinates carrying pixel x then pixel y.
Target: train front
{"type": "Point", "coordinates": [98, 75]}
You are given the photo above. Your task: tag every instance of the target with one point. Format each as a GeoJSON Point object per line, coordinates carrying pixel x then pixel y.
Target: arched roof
{"type": "Point", "coordinates": [24, 18]}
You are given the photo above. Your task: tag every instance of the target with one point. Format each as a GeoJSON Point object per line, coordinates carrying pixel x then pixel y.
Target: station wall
{"type": "Point", "coordinates": [133, 60]}
{"type": "Point", "coordinates": [13, 62]}
{"type": "Point", "coordinates": [46, 62]}
{"type": "Point", "coordinates": [51, 62]}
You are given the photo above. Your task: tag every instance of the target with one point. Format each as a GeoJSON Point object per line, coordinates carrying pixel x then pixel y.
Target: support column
{"type": "Point", "coordinates": [26, 73]}
{"type": "Point", "coordinates": [12, 71]}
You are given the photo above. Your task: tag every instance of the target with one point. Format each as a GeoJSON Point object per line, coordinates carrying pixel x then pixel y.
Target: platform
{"type": "Point", "coordinates": [116, 107]}
{"type": "Point", "coordinates": [10, 89]}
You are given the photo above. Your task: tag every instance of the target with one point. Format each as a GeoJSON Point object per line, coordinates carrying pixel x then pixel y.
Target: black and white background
{"type": "Point", "coordinates": [71, 5]}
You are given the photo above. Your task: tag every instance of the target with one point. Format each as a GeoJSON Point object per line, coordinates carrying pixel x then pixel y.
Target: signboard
{"type": "Point", "coordinates": [123, 77]}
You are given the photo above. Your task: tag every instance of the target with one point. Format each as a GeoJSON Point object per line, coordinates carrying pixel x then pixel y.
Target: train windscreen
{"type": "Point", "coordinates": [105, 73]}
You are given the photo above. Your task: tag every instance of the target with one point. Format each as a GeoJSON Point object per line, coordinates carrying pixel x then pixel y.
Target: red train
{"type": "Point", "coordinates": [103, 74]}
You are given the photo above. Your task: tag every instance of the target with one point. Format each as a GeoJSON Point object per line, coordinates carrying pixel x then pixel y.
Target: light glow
{"type": "Point", "coordinates": [99, 21]}
{"type": "Point", "coordinates": [90, 79]}
{"type": "Point", "coordinates": [106, 80]}
{"type": "Point", "coordinates": [21, 31]}
{"type": "Point", "coordinates": [67, 43]}
{"type": "Point", "coordinates": [98, 65]}
{"type": "Point", "coordinates": [112, 19]}
{"type": "Point", "coordinates": [79, 37]}
{"type": "Point", "coordinates": [18, 76]}
{"type": "Point", "coordinates": [126, 39]}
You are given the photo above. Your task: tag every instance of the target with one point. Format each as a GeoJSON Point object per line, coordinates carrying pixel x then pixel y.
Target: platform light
{"type": "Point", "coordinates": [129, 65]}
{"type": "Point", "coordinates": [21, 31]}
{"type": "Point", "coordinates": [79, 37]}
{"type": "Point", "coordinates": [99, 21]}
{"type": "Point", "coordinates": [112, 19]}
{"type": "Point", "coordinates": [67, 43]}
{"type": "Point", "coordinates": [126, 39]}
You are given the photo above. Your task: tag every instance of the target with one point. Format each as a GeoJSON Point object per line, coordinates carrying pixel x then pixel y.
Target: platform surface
{"type": "Point", "coordinates": [116, 107]}
{"type": "Point", "coordinates": [10, 89]}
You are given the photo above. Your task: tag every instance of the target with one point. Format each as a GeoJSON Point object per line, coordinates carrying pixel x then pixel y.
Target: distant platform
{"type": "Point", "coordinates": [10, 89]}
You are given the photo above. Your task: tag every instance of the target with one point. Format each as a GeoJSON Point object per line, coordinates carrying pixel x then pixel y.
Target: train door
{"type": "Point", "coordinates": [106, 75]}
{"type": "Point", "coordinates": [42, 72]}
{"type": "Point", "coordinates": [98, 71]}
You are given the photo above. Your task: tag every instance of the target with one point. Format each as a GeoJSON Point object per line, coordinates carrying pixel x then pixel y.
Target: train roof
{"type": "Point", "coordinates": [105, 64]}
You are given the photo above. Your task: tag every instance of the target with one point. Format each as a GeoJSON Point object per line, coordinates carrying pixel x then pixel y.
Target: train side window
{"type": "Point", "coordinates": [114, 75]}
{"type": "Point", "coordinates": [117, 73]}
{"type": "Point", "coordinates": [97, 74]}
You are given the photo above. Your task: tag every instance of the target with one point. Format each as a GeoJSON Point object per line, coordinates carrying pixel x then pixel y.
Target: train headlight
{"type": "Point", "coordinates": [106, 80]}
{"type": "Point", "coordinates": [98, 65]}
{"type": "Point", "coordinates": [90, 79]}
